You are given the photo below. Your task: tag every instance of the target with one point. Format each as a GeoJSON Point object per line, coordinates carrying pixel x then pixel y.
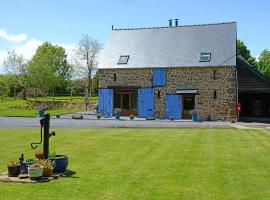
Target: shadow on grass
{"type": "Point", "coordinates": [69, 174]}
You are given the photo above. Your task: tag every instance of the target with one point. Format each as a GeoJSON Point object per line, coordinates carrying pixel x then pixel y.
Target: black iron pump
{"type": "Point", "coordinates": [45, 128]}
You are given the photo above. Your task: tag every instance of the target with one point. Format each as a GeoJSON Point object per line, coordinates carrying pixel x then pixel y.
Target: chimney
{"type": "Point", "coordinates": [176, 22]}
{"type": "Point", "coordinates": [170, 22]}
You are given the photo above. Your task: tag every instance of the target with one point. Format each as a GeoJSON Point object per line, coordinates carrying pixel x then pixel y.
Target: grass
{"type": "Point", "coordinates": [148, 164]}
{"type": "Point", "coordinates": [18, 107]}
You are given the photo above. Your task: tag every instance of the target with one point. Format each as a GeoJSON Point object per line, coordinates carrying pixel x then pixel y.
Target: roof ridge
{"type": "Point", "coordinates": [167, 27]}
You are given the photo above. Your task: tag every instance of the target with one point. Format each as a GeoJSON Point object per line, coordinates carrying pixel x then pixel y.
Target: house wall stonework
{"type": "Point", "coordinates": [221, 108]}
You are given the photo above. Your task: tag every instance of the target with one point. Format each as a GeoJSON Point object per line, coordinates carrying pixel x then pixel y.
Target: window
{"type": "Point", "coordinates": [123, 59]}
{"type": "Point", "coordinates": [159, 77]}
{"type": "Point", "coordinates": [205, 57]}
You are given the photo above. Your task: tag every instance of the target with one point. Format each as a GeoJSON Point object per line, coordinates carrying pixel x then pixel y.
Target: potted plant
{"type": "Point", "coordinates": [14, 169]}
{"type": "Point", "coordinates": [116, 112]}
{"type": "Point", "coordinates": [131, 117]}
{"type": "Point", "coordinates": [48, 166]}
{"type": "Point", "coordinates": [60, 161]}
{"type": "Point", "coordinates": [194, 115]}
{"type": "Point", "coordinates": [77, 116]}
{"type": "Point", "coordinates": [35, 170]}
{"type": "Point", "coordinates": [26, 164]}
{"type": "Point", "coordinates": [39, 154]}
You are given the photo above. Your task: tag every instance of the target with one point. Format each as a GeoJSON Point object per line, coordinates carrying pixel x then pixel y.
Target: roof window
{"type": "Point", "coordinates": [123, 59]}
{"type": "Point", "coordinates": [205, 57]}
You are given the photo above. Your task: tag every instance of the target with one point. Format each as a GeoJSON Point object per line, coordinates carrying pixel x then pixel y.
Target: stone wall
{"type": "Point", "coordinates": [125, 78]}
{"type": "Point", "coordinates": [221, 108]}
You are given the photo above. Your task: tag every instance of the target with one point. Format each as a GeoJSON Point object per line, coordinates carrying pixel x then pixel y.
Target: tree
{"type": "Point", "coordinates": [16, 66]}
{"type": "Point", "coordinates": [264, 62]}
{"type": "Point", "coordinates": [95, 83]}
{"type": "Point", "coordinates": [87, 51]}
{"type": "Point", "coordinates": [245, 53]}
{"type": "Point", "coordinates": [4, 86]}
{"type": "Point", "coordinates": [49, 68]}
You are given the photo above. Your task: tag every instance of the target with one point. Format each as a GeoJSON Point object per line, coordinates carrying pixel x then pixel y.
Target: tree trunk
{"type": "Point", "coordinates": [89, 84]}
{"type": "Point", "coordinates": [14, 94]}
{"type": "Point", "coordinates": [23, 94]}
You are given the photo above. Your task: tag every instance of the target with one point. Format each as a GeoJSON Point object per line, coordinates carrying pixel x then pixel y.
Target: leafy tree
{"type": "Point", "coordinates": [87, 51]}
{"type": "Point", "coordinates": [16, 66]}
{"type": "Point", "coordinates": [4, 86]}
{"type": "Point", "coordinates": [49, 68]}
{"type": "Point", "coordinates": [245, 52]}
{"type": "Point", "coordinates": [264, 62]}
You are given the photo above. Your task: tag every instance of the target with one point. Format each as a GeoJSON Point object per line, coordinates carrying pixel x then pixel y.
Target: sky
{"type": "Point", "coordinates": [26, 24]}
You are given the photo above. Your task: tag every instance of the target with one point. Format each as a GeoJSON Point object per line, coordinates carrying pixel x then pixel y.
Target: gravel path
{"type": "Point", "coordinates": [90, 121]}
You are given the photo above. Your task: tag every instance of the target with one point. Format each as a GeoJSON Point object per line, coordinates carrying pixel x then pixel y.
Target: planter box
{"type": "Point", "coordinates": [35, 172]}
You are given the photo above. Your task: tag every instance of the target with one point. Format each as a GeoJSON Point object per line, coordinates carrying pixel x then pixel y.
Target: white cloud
{"type": "Point", "coordinates": [11, 37]}
{"type": "Point", "coordinates": [29, 48]}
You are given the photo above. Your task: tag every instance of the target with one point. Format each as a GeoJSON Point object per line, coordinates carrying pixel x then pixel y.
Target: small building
{"type": "Point", "coordinates": [165, 72]}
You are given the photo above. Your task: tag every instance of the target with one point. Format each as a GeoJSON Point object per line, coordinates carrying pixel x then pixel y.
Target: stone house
{"type": "Point", "coordinates": [166, 72]}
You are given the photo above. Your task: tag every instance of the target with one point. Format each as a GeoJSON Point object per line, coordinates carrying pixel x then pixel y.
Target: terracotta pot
{"type": "Point", "coordinates": [39, 156]}
{"type": "Point", "coordinates": [47, 172]}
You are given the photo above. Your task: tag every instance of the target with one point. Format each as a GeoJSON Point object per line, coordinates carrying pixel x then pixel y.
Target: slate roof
{"type": "Point", "coordinates": [172, 46]}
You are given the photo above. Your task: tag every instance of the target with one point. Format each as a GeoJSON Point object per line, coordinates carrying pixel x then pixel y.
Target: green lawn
{"type": "Point", "coordinates": [148, 164]}
{"type": "Point", "coordinates": [18, 107]}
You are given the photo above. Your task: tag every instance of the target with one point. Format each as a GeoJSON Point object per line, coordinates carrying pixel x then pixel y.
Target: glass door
{"type": "Point", "coordinates": [188, 105]}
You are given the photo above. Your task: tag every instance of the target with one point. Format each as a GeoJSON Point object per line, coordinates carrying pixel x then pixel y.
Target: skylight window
{"type": "Point", "coordinates": [123, 60]}
{"type": "Point", "coordinates": [205, 57]}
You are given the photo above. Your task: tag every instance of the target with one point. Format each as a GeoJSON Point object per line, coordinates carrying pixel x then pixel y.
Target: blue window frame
{"type": "Point", "coordinates": [159, 77]}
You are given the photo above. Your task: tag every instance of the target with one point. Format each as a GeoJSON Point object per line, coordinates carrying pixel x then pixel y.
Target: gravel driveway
{"type": "Point", "coordinates": [90, 121]}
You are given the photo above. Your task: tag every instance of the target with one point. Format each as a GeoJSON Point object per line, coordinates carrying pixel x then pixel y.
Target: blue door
{"type": "Point", "coordinates": [105, 97]}
{"type": "Point", "coordinates": [146, 102]}
{"type": "Point", "coordinates": [173, 107]}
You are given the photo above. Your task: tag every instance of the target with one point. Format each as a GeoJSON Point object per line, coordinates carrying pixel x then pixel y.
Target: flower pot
{"type": "Point", "coordinates": [194, 117]}
{"type": "Point", "coordinates": [61, 163]}
{"type": "Point", "coordinates": [117, 115]}
{"type": "Point", "coordinates": [25, 166]}
{"type": "Point", "coordinates": [14, 171]}
{"type": "Point", "coordinates": [47, 172]}
{"type": "Point", "coordinates": [35, 172]}
{"type": "Point", "coordinates": [39, 156]}
{"type": "Point", "coordinates": [41, 113]}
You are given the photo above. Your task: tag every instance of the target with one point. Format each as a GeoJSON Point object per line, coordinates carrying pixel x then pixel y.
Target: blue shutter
{"type": "Point", "coordinates": [173, 106]}
{"type": "Point", "coordinates": [159, 77]}
{"type": "Point", "coordinates": [105, 97]}
{"type": "Point", "coordinates": [146, 102]}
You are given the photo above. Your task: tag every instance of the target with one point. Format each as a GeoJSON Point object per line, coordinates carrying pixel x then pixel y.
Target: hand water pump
{"type": "Point", "coordinates": [45, 129]}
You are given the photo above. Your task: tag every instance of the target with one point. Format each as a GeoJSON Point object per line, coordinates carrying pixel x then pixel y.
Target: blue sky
{"type": "Point", "coordinates": [24, 24]}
